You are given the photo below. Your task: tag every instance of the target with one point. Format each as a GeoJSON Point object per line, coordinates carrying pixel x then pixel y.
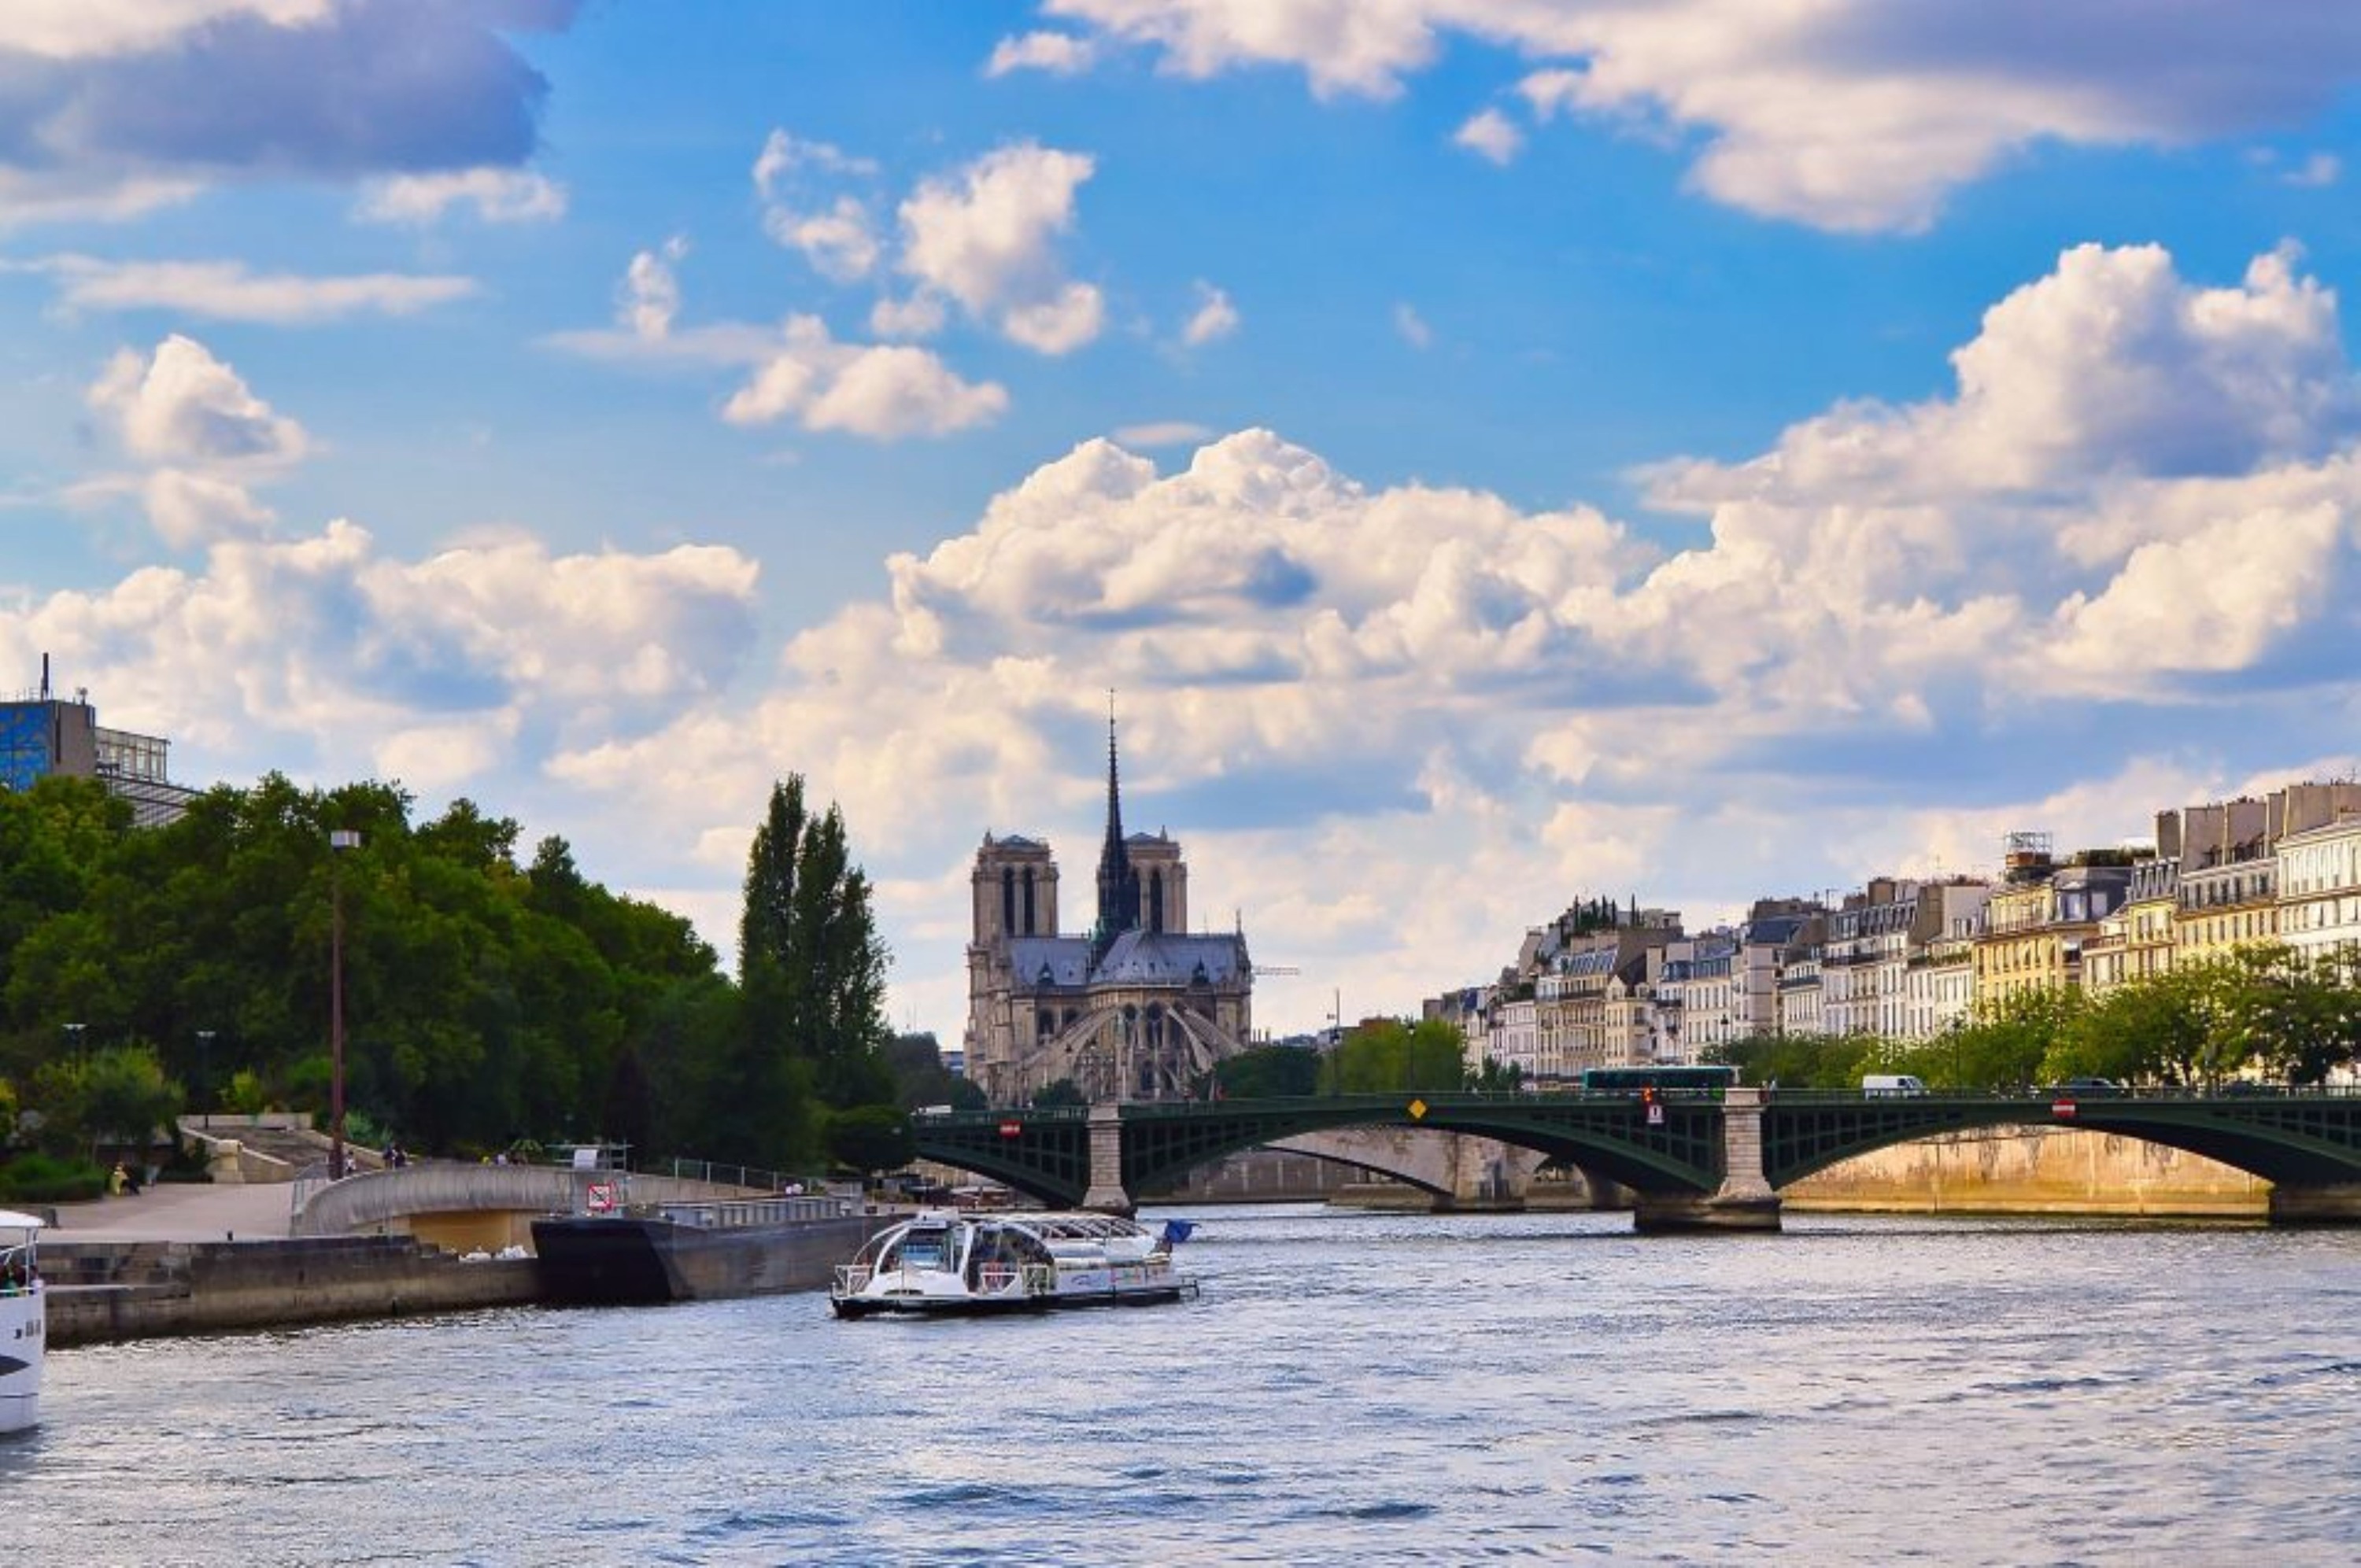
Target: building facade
{"type": "Point", "coordinates": [1137, 1009]}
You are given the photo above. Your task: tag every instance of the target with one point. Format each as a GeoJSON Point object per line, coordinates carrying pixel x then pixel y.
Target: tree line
{"type": "Point", "coordinates": [488, 997]}
{"type": "Point", "coordinates": [2265, 1011]}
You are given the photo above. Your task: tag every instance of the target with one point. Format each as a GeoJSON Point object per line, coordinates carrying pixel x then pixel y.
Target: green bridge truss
{"type": "Point", "coordinates": [2299, 1139]}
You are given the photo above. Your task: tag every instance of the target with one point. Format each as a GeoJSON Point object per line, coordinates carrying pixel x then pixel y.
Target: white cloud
{"type": "Point", "coordinates": [191, 508]}
{"type": "Point", "coordinates": [181, 405]}
{"type": "Point", "coordinates": [1411, 328]}
{"type": "Point", "coordinates": [2322, 169]}
{"type": "Point", "coordinates": [1844, 113]}
{"type": "Point", "coordinates": [81, 29]}
{"type": "Point", "coordinates": [47, 197]}
{"type": "Point", "coordinates": [2111, 365]}
{"type": "Point", "coordinates": [783, 154]}
{"type": "Point", "coordinates": [650, 296]}
{"type": "Point", "coordinates": [1216, 317]}
{"type": "Point", "coordinates": [841, 243]}
{"type": "Point", "coordinates": [883, 392]}
{"type": "Point", "coordinates": [499, 196]}
{"type": "Point", "coordinates": [919, 315]}
{"type": "Point", "coordinates": [1163, 432]}
{"type": "Point", "coordinates": [986, 237]}
{"type": "Point", "coordinates": [1492, 135]}
{"type": "Point", "coordinates": [227, 290]}
{"type": "Point", "coordinates": [1059, 54]}
{"type": "Point", "coordinates": [838, 235]}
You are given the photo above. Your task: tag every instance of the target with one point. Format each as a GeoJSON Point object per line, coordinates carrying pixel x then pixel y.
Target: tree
{"type": "Point", "coordinates": [1386, 1055]}
{"type": "Point", "coordinates": [1269, 1072]}
{"type": "Point", "coordinates": [119, 1096]}
{"type": "Point", "coordinates": [812, 983]}
{"type": "Point", "coordinates": [870, 1138]}
{"type": "Point", "coordinates": [921, 1079]}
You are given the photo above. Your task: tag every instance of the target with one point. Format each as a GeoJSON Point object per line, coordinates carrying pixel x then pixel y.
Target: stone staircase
{"type": "Point", "coordinates": [268, 1148]}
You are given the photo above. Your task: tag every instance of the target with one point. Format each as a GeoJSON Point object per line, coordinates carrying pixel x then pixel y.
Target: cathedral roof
{"type": "Point", "coordinates": [1134, 958]}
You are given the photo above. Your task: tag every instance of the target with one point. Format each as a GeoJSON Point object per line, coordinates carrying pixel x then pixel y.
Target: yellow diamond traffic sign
{"type": "Point", "coordinates": [1417, 1109]}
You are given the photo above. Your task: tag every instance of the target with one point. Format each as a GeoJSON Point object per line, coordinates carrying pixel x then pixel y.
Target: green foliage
{"type": "Point", "coordinates": [812, 986]}
{"type": "Point", "coordinates": [1386, 1055]}
{"type": "Point", "coordinates": [1065, 1091]}
{"type": "Point", "coordinates": [1269, 1072]}
{"type": "Point", "coordinates": [45, 1178]}
{"type": "Point", "coordinates": [118, 1095]}
{"type": "Point", "coordinates": [870, 1138]}
{"type": "Point", "coordinates": [921, 1079]}
{"type": "Point", "coordinates": [245, 1096]}
{"type": "Point", "coordinates": [481, 1000]}
{"type": "Point", "coordinates": [1801, 1061]}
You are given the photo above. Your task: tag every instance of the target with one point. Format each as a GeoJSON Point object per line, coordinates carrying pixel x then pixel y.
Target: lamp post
{"type": "Point", "coordinates": [205, 1068]}
{"type": "Point", "coordinates": [339, 840]}
{"type": "Point", "coordinates": [73, 1041]}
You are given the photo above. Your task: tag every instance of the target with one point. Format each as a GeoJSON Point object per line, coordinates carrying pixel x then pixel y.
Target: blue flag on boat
{"type": "Point", "coordinates": [1178, 1231]}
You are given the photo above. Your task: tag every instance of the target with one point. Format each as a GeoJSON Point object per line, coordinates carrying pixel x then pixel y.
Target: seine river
{"type": "Point", "coordinates": [1351, 1388]}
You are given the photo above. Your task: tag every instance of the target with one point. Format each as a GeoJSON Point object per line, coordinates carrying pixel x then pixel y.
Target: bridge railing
{"type": "Point", "coordinates": [2043, 1094]}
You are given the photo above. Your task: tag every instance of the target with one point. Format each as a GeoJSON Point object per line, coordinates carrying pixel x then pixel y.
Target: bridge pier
{"type": "Point", "coordinates": [2329, 1203]}
{"type": "Point", "coordinates": [1105, 1192]}
{"type": "Point", "coordinates": [1744, 1201]}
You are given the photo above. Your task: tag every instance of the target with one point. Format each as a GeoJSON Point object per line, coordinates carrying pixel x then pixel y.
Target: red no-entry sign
{"type": "Point", "coordinates": [1010, 1129]}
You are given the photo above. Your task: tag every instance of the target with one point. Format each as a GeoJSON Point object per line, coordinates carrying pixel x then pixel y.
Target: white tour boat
{"type": "Point", "coordinates": [23, 1328]}
{"type": "Point", "coordinates": [949, 1262]}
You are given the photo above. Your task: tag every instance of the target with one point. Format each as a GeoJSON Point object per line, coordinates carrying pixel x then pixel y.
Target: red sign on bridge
{"type": "Point", "coordinates": [1012, 1129]}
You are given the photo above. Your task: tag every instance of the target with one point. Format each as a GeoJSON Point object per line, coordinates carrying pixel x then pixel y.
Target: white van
{"type": "Point", "coordinates": [1889, 1085]}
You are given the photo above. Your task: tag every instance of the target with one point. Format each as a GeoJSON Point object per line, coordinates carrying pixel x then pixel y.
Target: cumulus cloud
{"type": "Point", "coordinates": [1847, 115]}
{"type": "Point", "coordinates": [650, 296]}
{"type": "Point", "coordinates": [322, 652]}
{"type": "Point", "coordinates": [986, 237]}
{"type": "Point", "coordinates": [1490, 134]}
{"type": "Point", "coordinates": [181, 405]}
{"type": "Point", "coordinates": [881, 391]}
{"type": "Point", "coordinates": [837, 233]}
{"type": "Point", "coordinates": [1214, 318]}
{"type": "Point", "coordinates": [498, 195]}
{"type": "Point", "coordinates": [201, 435]}
{"type": "Point", "coordinates": [1059, 54]}
{"type": "Point", "coordinates": [115, 104]}
{"type": "Point", "coordinates": [1507, 703]}
{"type": "Point", "coordinates": [2111, 364]}
{"type": "Point", "coordinates": [227, 290]}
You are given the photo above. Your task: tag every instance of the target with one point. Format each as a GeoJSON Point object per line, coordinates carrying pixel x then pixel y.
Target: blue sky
{"type": "Point", "coordinates": [1498, 451]}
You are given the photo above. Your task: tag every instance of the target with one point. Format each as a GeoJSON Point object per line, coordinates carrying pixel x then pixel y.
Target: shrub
{"type": "Point", "coordinates": [44, 1179]}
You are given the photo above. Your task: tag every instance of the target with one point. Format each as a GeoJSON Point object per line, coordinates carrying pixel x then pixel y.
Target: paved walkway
{"type": "Point", "coordinates": [178, 1211]}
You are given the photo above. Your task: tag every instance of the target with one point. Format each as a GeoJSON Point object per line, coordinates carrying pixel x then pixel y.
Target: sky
{"type": "Point", "coordinates": [1493, 451]}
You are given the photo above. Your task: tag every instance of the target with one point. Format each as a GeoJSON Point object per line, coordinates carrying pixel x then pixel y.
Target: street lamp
{"type": "Point", "coordinates": [73, 1041]}
{"type": "Point", "coordinates": [339, 840]}
{"type": "Point", "coordinates": [205, 1068]}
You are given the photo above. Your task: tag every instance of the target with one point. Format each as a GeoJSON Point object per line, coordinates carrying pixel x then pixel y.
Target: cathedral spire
{"type": "Point", "coordinates": [1118, 884]}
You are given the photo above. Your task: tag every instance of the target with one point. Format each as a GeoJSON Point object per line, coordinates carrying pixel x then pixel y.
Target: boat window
{"type": "Point", "coordinates": [920, 1249]}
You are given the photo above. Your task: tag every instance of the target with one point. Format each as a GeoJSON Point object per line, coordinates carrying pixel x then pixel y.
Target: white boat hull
{"type": "Point", "coordinates": [951, 1266]}
{"type": "Point", "coordinates": [23, 1331]}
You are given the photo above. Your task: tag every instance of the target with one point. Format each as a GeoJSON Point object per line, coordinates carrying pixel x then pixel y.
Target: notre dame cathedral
{"type": "Point", "coordinates": [1140, 1009]}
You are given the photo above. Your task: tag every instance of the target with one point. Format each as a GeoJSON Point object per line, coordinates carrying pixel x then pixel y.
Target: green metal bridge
{"type": "Point", "coordinates": [1696, 1159]}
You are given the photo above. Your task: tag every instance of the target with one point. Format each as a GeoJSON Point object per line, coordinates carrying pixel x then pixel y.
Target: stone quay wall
{"type": "Point", "coordinates": [100, 1291]}
{"type": "Point", "coordinates": [2034, 1170]}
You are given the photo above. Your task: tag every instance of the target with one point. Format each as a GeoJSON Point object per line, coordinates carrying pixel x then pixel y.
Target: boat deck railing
{"type": "Point", "coordinates": [730, 1214]}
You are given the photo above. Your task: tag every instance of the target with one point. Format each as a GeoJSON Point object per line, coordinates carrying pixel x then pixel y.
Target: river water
{"type": "Point", "coordinates": [1350, 1389]}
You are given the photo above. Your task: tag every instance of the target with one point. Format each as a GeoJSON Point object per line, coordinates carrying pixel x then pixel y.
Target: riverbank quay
{"type": "Point", "coordinates": [101, 1292]}
{"type": "Point", "coordinates": [200, 1257]}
